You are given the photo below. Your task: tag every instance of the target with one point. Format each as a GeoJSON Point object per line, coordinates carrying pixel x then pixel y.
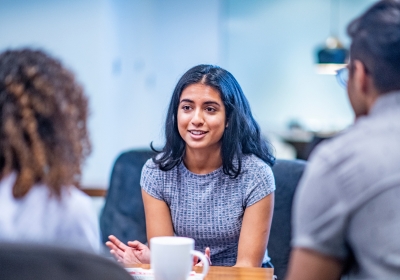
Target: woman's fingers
{"type": "Point", "coordinates": [195, 260]}
{"type": "Point", "coordinates": [136, 252]}
{"type": "Point", "coordinates": [140, 251]}
{"type": "Point", "coordinates": [112, 246]}
{"type": "Point", "coordinates": [136, 245]}
{"type": "Point", "coordinates": [116, 256]}
{"type": "Point", "coordinates": [117, 248]}
{"type": "Point", "coordinates": [121, 254]}
{"type": "Point", "coordinates": [117, 242]}
{"type": "Point", "coordinates": [207, 253]}
{"type": "Point", "coordinates": [117, 253]}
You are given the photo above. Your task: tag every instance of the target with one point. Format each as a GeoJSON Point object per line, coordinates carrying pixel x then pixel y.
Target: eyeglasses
{"type": "Point", "coordinates": [342, 76]}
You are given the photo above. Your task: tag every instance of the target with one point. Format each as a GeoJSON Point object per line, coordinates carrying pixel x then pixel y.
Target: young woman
{"type": "Point", "coordinates": [212, 181]}
{"type": "Point", "coordinates": [43, 142]}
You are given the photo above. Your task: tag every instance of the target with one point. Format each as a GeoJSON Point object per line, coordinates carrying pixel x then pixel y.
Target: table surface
{"type": "Point", "coordinates": [232, 273]}
{"type": "Point", "coordinates": [238, 273]}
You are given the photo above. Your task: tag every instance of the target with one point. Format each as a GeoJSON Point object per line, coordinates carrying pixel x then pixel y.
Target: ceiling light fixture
{"type": "Point", "coordinates": [333, 55]}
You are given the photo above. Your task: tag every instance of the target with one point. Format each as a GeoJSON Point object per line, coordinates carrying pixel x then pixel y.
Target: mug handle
{"type": "Point", "coordinates": [204, 259]}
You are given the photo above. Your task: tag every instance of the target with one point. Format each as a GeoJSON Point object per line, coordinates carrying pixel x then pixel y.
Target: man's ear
{"type": "Point", "coordinates": [360, 77]}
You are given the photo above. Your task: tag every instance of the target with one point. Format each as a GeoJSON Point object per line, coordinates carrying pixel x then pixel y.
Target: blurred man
{"type": "Point", "coordinates": [347, 208]}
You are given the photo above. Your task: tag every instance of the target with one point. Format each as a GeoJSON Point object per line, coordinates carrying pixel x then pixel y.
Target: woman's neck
{"type": "Point", "coordinates": [202, 162]}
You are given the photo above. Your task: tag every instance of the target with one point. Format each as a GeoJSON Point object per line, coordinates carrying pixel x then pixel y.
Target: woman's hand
{"type": "Point", "coordinates": [133, 253]}
{"type": "Point", "coordinates": [207, 254]}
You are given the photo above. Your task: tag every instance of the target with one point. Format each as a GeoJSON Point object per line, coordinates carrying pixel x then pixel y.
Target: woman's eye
{"type": "Point", "coordinates": [210, 109]}
{"type": "Point", "coordinates": [185, 107]}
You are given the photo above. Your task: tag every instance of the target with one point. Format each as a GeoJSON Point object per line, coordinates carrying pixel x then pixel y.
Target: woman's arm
{"type": "Point", "coordinates": [158, 217]}
{"type": "Point", "coordinates": [158, 223]}
{"type": "Point", "coordinates": [254, 234]}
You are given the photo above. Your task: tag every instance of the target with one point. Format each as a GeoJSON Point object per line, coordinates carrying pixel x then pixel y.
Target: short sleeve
{"type": "Point", "coordinates": [151, 180]}
{"type": "Point", "coordinates": [319, 217]}
{"type": "Point", "coordinates": [261, 184]}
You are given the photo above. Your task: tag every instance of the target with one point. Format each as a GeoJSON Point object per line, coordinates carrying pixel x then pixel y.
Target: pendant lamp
{"type": "Point", "coordinates": [332, 55]}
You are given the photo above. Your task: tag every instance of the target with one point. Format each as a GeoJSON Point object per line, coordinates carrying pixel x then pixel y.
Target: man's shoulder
{"type": "Point", "coordinates": [357, 158]}
{"type": "Point", "coordinates": [355, 141]}
{"type": "Point", "coordinates": [338, 147]}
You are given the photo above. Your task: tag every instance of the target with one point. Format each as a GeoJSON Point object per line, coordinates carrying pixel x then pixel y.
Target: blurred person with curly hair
{"type": "Point", "coordinates": [43, 143]}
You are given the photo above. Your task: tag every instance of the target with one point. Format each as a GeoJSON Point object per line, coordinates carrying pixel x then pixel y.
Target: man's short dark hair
{"type": "Point", "coordinates": [376, 43]}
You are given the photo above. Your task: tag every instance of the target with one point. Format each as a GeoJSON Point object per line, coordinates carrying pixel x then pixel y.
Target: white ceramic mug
{"type": "Point", "coordinates": [172, 257]}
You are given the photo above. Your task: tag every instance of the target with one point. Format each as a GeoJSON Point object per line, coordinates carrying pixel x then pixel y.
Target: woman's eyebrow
{"type": "Point", "coordinates": [212, 103]}
{"type": "Point", "coordinates": [186, 100]}
{"type": "Point", "coordinates": [205, 103]}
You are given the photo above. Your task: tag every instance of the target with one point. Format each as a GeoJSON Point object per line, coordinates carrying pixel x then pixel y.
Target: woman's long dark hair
{"type": "Point", "coordinates": [241, 136]}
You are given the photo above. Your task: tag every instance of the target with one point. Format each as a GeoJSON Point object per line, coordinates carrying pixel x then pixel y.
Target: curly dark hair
{"type": "Point", "coordinates": [43, 130]}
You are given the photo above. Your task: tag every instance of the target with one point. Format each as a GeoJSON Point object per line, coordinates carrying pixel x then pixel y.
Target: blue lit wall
{"type": "Point", "coordinates": [270, 47]}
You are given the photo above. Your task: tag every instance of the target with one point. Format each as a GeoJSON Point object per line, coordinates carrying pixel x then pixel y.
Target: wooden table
{"type": "Point", "coordinates": [237, 273]}
{"type": "Point", "coordinates": [233, 273]}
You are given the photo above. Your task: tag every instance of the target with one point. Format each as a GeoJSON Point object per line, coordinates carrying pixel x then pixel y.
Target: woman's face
{"type": "Point", "coordinates": [201, 117]}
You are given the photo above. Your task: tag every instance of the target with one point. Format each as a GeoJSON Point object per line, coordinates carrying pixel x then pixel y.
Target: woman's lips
{"type": "Point", "coordinates": [197, 134]}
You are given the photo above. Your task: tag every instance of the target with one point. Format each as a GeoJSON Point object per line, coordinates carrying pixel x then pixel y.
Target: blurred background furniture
{"type": "Point", "coordinates": [27, 261]}
{"type": "Point", "coordinates": [94, 192]}
{"type": "Point", "coordinates": [287, 175]}
{"type": "Point", "coordinates": [304, 141]}
{"type": "Point", "coordinates": [123, 212]}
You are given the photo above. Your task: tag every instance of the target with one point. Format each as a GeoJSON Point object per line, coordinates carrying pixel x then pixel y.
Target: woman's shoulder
{"type": "Point", "coordinates": [252, 162]}
{"type": "Point", "coordinates": [150, 164]}
{"type": "Point", "coordinates": [80, 219]}
{"type": "Point", "coordinates": [154, 166]}
{"type": "Point", "coordinates": [75, 195]}
{"type": "Point", "coordinates": [150, 167]}
{"type": "Point", "coordinates": [152, 172]}
{"type": "Point", "coordinates": [74, 202]}
{"type": "Point", "coordinates": [71, 215]}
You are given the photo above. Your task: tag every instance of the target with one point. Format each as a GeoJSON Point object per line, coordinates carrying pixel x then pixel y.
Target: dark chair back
{"type": "Point", "coordinates": [123, 212]}
{"type": "Point", "coordinates": [287, 174]}
{"type": "Point", "coordinates": [25, 261]}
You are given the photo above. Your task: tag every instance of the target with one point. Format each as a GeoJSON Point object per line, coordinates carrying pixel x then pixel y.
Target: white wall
{"type": "Point", "coordinates": [129, 54]}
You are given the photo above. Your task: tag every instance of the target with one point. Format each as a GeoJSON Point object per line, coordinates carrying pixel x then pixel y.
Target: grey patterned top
{"type": "Point", "coordinates": [209, 207]}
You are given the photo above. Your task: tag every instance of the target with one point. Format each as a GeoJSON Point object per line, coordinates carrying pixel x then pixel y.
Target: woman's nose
{"type": "Point", "coordinates": [198, 119]}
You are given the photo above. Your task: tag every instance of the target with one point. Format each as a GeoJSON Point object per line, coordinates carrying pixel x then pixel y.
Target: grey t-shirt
{"type": "Point", "coordinates": [209, 208]}
{"type": "Point", "coordinates": [349, 196]}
